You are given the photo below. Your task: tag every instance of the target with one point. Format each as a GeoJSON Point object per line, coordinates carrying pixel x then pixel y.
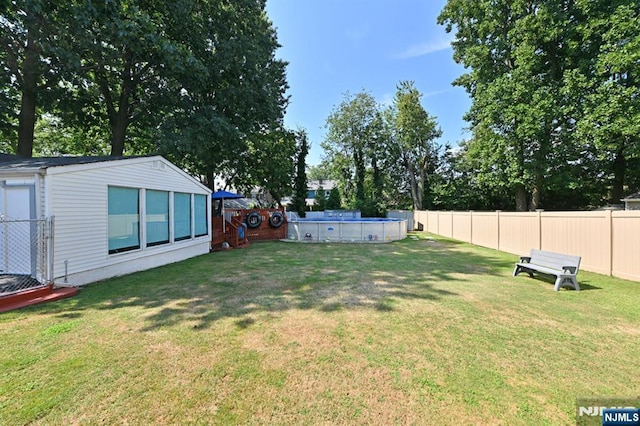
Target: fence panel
{"type": "Point", "coordinates": [445, 224]}
{"type": "Point", "coordinates": [585, 234]}
{"type": "Point", "coordinates": [420, 219]}
{"type": "Point", "coordinates": [625, 245]}
{"type": "Point", "coordinates": [461, 222]}
{"type": "Point", "coordinates": [25, 254]}
{"type": "Point", "coordinates": [519, 232]}
{"type": "Point", "coordinates": [485, 230]}
{"type": "Point", "coordinates": [432, 222]}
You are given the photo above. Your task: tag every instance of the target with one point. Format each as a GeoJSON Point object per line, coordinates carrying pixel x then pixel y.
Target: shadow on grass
{"type": "Point", "coordinates": [550, 279]}
{"type": "Point", "coordinates": [275, 277]}
{"type": "Point", "coordinates": [585, 286]}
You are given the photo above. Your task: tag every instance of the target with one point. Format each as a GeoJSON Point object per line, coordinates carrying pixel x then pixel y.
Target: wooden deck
{"type": "Point", "coordinates": [236, 219]}
{"type": "Point", "coordinates": [35, 296]}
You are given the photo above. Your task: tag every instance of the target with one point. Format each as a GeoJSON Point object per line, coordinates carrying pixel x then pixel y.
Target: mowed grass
{"type": "Point", "coordinates": [414, 332]}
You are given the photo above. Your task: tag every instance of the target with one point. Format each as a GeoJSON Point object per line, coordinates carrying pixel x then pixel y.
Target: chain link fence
{"type": "Point", "coordinates": [26, 254]}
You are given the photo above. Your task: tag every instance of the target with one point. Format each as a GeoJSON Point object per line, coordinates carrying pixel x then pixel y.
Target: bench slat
{"type": "Point", "coordinates": [554, 260]}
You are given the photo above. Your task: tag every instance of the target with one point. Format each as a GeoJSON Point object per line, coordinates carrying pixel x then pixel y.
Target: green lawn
{"type": "Point", "coordinates": [418, 331]}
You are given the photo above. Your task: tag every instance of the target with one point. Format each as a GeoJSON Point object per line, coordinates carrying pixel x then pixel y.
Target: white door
{"type": "Point", "coordinates": [18, 230]}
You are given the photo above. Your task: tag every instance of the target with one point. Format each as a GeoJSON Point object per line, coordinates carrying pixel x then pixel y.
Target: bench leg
{"type": "Point", "coordinates": [566, 280]}
{"type": "Point", "coordinates": [519, 269]}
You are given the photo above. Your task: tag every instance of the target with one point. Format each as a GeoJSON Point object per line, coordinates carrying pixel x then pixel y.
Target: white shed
{"type": "Point", "coordinates": [632, 202]}
{"type": "Point", "coordinates": [76, 220]}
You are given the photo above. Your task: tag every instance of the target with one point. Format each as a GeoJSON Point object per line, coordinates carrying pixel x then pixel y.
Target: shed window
{"type": "Point", "coordinates": [124, 219]}
{"type": "Point", "coordinates": [157, 217]}
{"type": "Point", "coordinates": [181, 216]}
{"type": "Point", "coordinates": [200, 213]}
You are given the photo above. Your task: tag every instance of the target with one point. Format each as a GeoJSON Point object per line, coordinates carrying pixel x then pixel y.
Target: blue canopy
{"type": "Point", "coordinates": [224, 195]}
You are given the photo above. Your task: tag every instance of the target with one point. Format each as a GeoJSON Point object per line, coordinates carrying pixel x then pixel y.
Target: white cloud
{"type": "Point", "coordinates": [425, 48]}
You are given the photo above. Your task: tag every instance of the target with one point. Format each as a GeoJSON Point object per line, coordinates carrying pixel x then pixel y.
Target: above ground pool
{"type": "Point", "coordinates": [346, 229]}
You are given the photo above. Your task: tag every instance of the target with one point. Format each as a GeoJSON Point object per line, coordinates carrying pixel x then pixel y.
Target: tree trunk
{"type": "Point", "coordinates": [210, 181]}
{"type": "Point", "coordinates": [118, 132]}
{"type": "Point", "coordinates": [27, 122]}
{"type": "Point", "coordinates": [619, 169]}
{"type": "Point", "coordinates": [535, 198]}
{"type": "Point", "coordinates": [119, 122]}
{"type": "Point", "coordinates": [421, 187]}
{"type": "Point", "coordinates": [27, 118]}
{"type": "Point", "coordinates": [521, 198]}
{"type": "Point", "coordinates": [536, 192]}
{"type": "Point", "coordinates": [417, 205]}
{"type": "Point", "coordinates": [358, 158]}
{"type": "Point", "coordinates": [377, 183]}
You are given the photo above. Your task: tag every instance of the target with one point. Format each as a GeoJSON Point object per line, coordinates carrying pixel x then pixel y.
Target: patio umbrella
{"type": "Point", "coordinates": [224, 195]}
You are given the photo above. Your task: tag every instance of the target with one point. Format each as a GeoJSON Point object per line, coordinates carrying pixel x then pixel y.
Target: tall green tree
{"type": "Point", "coordinates": [320, 171]}
{"type": "Point", "coordinates": [271, 164]}
{"type": "Point", "coordinates": [606, 89]}
{"type": "Point", "coordinates": [127, 61]}
{"type": "Point", "coordinates": [320, 200]}
{"type": "Point", "coordinates": [554, 93]}
{"type": "Point", "coordinates": [415, 135]}
{"type": "Point", "coordinates": [354, 134]}
{"type": "Point", "coordinates": [29, 35]}
{"type": "Point", "coordinates": [239, 96]}
{"type": "Point", "coordinates": [299, 203]}
{"type": "Point", "coordinates": [334, 201]}
{"type": "Point", "coordinates": [517, 54]}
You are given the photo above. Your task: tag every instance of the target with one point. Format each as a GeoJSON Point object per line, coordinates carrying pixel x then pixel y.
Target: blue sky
{"type": "Point", "coordinates": [339, 46]}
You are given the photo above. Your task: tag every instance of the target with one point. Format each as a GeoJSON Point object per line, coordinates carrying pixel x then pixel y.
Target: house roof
{"type": "Point", "coordinates": [326, 184]}
{"type": "Point", "coordinates": [7, 157]}
{"type": "Point", "coordinates": [632, 197]}
{"type": "Point", "coordinates": [13, 162]}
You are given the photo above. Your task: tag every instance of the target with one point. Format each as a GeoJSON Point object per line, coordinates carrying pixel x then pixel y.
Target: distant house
{"type": "Point", "coordinates": [75, 220]}
{"type": "Point", "coordinates": [312, 191]}
{"type": "Point", "coordinates": [313, 186]}
{"type": "Point", "coordinates": [632, 202]}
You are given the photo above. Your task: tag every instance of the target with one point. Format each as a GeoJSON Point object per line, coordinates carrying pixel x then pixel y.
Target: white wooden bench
{"type": "Point", "coordinates": [563, 266]}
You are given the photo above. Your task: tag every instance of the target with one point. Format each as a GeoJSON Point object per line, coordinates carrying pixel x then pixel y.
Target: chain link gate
{"type": "Point", "coordinates": [26, 254]}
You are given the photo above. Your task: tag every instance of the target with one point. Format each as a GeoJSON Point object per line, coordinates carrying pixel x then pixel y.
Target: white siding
{"type": "Point", "coordinates": [632, 204]}
{"type": "Point", "coordinates": [78, 200]}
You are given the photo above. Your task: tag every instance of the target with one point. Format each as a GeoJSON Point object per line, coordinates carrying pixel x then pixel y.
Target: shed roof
{"type": "Point", "coordinates": [7, 157]}
{"type": "Point", "coordinates": [13, 162]}
{"type": "Point", "coordinates": [632, 197]}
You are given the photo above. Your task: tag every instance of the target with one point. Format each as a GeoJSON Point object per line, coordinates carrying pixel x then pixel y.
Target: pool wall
{"type": "Point", "coordinates": [347, 230]}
